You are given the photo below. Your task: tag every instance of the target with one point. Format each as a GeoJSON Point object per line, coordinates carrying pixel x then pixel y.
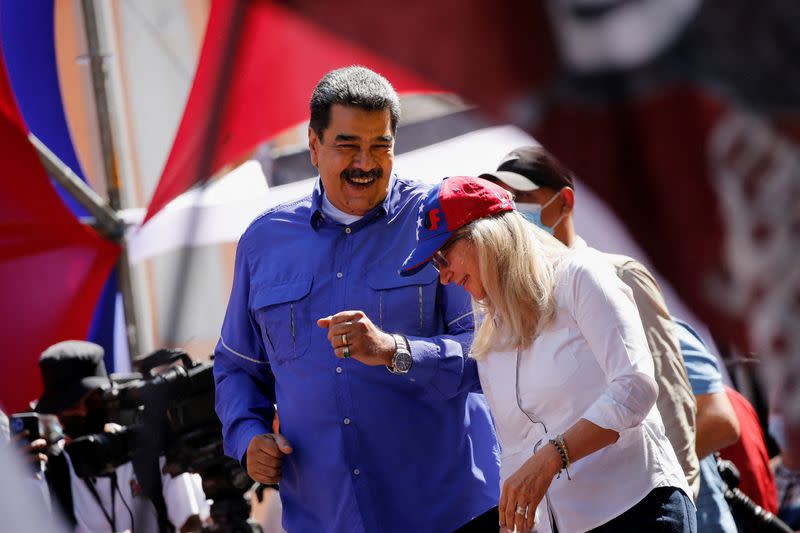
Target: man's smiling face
{"type": "Point", "coordinates": [354, 157]}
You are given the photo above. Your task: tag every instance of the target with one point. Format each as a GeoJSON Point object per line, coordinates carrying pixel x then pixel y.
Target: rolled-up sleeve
{"type": "Point", "coordinates": [442, 362]}
{"type": "Point", "coordinates": [245, 386]}
{"type": "Point", "coordinates": [609, 321]}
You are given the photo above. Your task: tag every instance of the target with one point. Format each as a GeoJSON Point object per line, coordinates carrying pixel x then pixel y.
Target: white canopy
{"type": "Point", "coordinates": [221, 211]}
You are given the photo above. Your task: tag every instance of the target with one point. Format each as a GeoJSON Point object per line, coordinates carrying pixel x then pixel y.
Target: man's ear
{"type": "Point", "coordinates": [313, 146]}
{"type": "Point", "coordinates": [568, 197]}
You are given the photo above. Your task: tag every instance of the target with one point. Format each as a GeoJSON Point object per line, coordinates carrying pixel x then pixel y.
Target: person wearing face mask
{"type": "Point", "coordinates": [564, 365]}
{"type": "Point", "coordinates": [544, 193]}
{"type": "Point", "coordinates": [74, 374]}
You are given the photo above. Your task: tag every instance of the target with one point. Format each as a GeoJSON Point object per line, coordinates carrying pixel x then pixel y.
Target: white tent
{"type": "Point", "coordinates": [221, 212]}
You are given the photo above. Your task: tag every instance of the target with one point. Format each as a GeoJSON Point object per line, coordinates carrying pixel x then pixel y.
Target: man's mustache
{"type": "Point", "coordinates": [376, 173]}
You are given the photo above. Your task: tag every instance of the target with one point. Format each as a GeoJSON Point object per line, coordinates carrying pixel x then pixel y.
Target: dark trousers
{"type": "Point", "coordinates": [663, 510]}
{"type": "Point", "coordinates": [485, 523]}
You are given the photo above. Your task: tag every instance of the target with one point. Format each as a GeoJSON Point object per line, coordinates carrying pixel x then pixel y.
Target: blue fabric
{"type": "Point", "coordinates": [663, 510]}
{"type": "Point", "coordinates": [704, 376]}
{"type": "Point", "coordinates": [373, 451]}
{"type": "Point", "coordinates": [713, 513]}
{"type": "Point", "coordinates": [102, 328]}
{"type": "Point", "coordinates": [787, 483]}
{"type": "Point", "coordinates": [702, 368]}
{"type": "Point", "coordinates": [28, 43]}
{"type": "Point", "coordinates": [27, 32]}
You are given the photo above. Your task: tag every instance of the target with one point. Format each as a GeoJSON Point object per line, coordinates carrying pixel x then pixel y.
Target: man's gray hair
{"type": "Point", "coordinates": [353, 86]}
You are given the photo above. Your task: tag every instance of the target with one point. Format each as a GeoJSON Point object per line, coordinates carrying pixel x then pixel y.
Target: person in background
{"type": "Point", "coordinates": [717, 427]}
{"type": "Point", "coordinates": [564, 364]}
{"type": "Point", "coordinates": [749, 455]}
{"type": "Point", "coordinates": [31, 453]}
{"type": "Point", "coordinates": [19, 510]}
{"type": "Point", "coordinates": [73, 373]}
{"type": "Point", "coordinates": [380, 428]}
{"type": "Point", "coordinates": [544, 192]}
{"type": "Point", "coordinates": [785, 429]}
{"type": "Point", "coordinates": [787, 483]}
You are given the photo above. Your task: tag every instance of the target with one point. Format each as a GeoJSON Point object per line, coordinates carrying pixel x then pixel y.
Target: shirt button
{"type": "Point", "coordinates": [339, 275]}
{"type": "Point", "coordinates": [338, 370]}
{"type": "Point", "coordinates": [356, 471]}
{"type": "Point", "coordinates": [348, 231]}
{"type": "Point", "coordinates": [346, 421]}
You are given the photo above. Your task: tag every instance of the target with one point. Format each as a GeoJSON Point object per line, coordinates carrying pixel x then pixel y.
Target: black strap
{"type": "Point", "coordinates": [58, 480]}
{"type": "Point", "coordinates": [148, 474]}
{"type": "Point", "coordinates": [112, 518]}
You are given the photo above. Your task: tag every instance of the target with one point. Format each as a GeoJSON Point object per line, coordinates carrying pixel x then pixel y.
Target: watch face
{"type": "Point", "coordinates": [402, 361]}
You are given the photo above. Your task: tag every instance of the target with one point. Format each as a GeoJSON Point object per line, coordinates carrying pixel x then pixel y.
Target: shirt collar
{"type": "Point", "coordinates": [387, 207]}
{"type": "Point", "coordinates": [579, 244]}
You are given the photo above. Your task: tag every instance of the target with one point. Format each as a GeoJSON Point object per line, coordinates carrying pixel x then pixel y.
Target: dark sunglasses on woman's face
{"type": "Point", "coordinates": [439, 261]}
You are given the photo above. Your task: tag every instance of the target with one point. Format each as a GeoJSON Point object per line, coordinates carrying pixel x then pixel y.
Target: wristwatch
{"type": "Point", "coordinates": [401, 360]}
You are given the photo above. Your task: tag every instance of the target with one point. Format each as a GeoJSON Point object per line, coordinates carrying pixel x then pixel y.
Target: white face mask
{"type": "Point", "coordinates": [533, 213]}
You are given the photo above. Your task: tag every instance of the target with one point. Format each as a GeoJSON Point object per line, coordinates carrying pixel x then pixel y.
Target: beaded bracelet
{"type": "Point", "coordinates": [561, 446]}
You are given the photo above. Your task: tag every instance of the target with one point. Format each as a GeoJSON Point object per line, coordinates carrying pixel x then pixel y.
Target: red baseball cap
{"type": "Point", "coordinates": [453, 203]}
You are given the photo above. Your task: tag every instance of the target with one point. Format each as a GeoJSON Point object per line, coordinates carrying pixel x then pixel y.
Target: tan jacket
{"type": "Point", "coordinates": [675, 401]}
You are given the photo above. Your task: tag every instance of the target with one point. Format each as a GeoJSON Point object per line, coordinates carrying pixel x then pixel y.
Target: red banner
{"type": "Point", "coordinates": [52, 268]}
{"type": "Point", "coordinates": [279, 59]}
{"type": "Point", "coordinates": [681, 114]}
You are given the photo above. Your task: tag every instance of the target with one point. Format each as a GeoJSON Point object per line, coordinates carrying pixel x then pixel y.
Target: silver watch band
{"type": "Point", "coordinates": [400, 344]}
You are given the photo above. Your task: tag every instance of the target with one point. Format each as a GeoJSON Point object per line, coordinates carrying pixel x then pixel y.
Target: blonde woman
{"type": "Point", "coordinates": [564, 365]}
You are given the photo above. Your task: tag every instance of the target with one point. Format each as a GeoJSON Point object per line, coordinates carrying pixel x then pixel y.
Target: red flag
{"type": "Point", "coordinates": [279, 59]}
{"type": "Point", "coordinates": [52, 268]}
{"type": "Point", "coordinates": [626, 150]}
{"type": "Point", "coordinates": [681, 114]}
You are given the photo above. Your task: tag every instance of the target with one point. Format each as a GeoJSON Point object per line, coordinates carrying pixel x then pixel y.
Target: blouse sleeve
{"type": "Point", "coordinates": [606, 314]}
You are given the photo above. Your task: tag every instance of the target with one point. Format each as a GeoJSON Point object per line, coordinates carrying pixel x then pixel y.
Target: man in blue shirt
{"type": "Point", "coordinates": [379, 427]}
{"type": "Point", "coordinates": [717, 427]}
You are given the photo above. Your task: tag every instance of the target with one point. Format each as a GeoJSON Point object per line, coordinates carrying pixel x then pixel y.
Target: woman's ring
{"type": "Point", "coordinates": [522, 510]}
{"type": "Point", "coordinates": [344, 339]}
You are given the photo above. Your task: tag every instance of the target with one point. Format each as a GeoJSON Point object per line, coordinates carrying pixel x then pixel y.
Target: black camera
{"type": "Point", "coordinates": [749, 516]}
{"type": "Point", "coordinates": [167, 410]}
{"type": "Point", "coordinates": [38, 426]}
{"type": "Point", "coordinates": [174, 408]}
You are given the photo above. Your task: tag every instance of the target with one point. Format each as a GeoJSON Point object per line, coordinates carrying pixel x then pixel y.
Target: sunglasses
{"type": "Point", "coordinates": [438, 260]}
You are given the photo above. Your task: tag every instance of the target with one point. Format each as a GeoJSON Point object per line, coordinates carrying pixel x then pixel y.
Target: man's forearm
{"type": "Point", "coordinates": [717, 425]}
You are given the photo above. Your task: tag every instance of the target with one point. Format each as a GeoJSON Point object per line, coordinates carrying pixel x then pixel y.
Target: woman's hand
{"type": "Point", "coordinates": [523, 491]}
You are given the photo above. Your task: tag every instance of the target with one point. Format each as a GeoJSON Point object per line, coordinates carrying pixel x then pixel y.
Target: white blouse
{"type": "Point", "coordinates": [592, 362]}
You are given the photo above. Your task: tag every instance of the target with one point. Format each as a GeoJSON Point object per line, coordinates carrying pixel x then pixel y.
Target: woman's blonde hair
{"type": "Point", "coordinates": [517, 263]}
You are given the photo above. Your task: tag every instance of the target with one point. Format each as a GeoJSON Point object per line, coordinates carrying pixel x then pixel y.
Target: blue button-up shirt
{"type": "Point", "coordinates": [702, 368]}
{"type": "Point", "coordinates": [372, 451]}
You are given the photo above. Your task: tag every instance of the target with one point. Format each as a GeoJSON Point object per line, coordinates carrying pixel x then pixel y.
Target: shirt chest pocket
{"type": "Point", "coordinates": [283, 314]}
{"type": "Point", "coordinates": [401, 304]}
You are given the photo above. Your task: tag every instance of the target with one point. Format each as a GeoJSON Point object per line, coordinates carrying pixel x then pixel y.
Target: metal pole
{"type": "Point", "coordinates": [106, 220]}
{"type": "Point", "coordinates": [97, 57]}
{"type": "Point", "coordinates": [205, 166]}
